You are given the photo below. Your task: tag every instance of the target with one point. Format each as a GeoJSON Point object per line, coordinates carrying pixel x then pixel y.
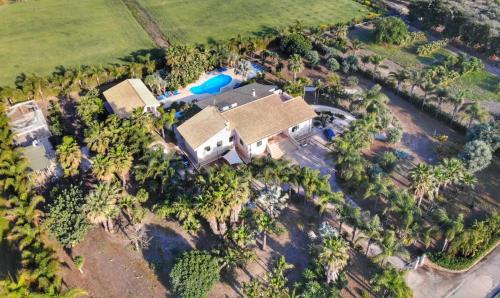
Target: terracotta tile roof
{"type": "Point", "coordinates": [268, 116]}
{"type": "Point", "coordinates": [128, 95]}
{"type": "Point", "coordinates": [202, 126]}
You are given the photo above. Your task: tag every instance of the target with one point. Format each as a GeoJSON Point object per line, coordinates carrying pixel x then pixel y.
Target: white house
{"type": "Point", "coordinates": [129, 95]}
{"type": "Point", "coordinates": [252, 127]}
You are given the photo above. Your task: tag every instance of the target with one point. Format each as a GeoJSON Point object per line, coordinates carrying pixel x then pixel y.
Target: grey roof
{"type": "Point", "coordinates": [39, 157]}
{"type": "Point", "coordinates": [239, 96]}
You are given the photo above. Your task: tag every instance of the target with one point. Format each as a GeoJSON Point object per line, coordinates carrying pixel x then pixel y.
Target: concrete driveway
{"type": "Point", "coordinates": [481, 281]}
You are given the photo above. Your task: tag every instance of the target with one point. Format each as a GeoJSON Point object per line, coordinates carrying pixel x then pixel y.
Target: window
{"type": "Point", "coordinates": [219, 143]}
{"type": "Point", "coordinates": [295, 128]}
{"type": "Point", "coordinates": [207, 148]}
{"type": "Point", "coordinates": [231, 138]}
{"type": "Point", "coordinates": [259, 143]}
{"type": "Point", "coordinates": [241, 142]}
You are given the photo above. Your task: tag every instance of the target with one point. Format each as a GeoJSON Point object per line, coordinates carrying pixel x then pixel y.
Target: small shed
{"type": "Point", "coordinates": [129, 95]}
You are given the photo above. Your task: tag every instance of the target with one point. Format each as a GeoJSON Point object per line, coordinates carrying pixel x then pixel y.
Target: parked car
{"type": "Point", "coordinates": [329, 134]}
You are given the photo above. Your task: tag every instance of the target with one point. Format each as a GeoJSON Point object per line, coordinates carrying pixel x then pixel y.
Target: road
{"type": "Point", "coordinates": [481, 281]}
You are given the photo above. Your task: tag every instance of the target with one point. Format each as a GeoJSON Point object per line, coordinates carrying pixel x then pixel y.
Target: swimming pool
{"type": "Point", "coordinates": [212, 85]}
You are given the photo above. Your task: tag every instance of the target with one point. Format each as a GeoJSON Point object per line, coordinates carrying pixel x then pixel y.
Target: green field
{"type": "Point", "coordinates": [480, 84]}
{"type": "Point", "coordinates": [199, 21]}
{"type": "Point", "coordinates": [37, 36]}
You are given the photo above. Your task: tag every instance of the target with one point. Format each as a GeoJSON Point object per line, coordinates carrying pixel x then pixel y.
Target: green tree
{"type": "Point", "coordinates": [101, 204]}
{"type": "Point", "coordinates": [391, 30]}
{"type": "Point", "coordinates": [474, 112]}
{"type": "Point", "coordinates": [313, 58]}
{"type": "Point", "coordinates": [332, 64]}
{"type": "Point", "coordinates": [79, 262]}
{"type": "Point", "coordinates": [390, 246]}
{"type": "Point", "coordinates": [122, 159]}
{"type": "Point", "coordinates": [265, 225]}
{"type": "Point", "coordinates": [273, 284]}
{"type": "Point", "coordinates": [391, 283]}
{"type": "Point", "coordinates": [401, 77]}
{"type": "Point", "coordinates": [195, 274]}
{"type": "Point", "coordinates": [295, 43]}
{"type": "Point", "coordinates": [486, 132]}
{"type": "Point", "coordinates": [69, 156]}
{"type": "Point", "coordinates": [90, 108]}
{"type": "Point", "coordinates": [449, 226]}
{"type": "Point", "coordinates": [66, 220]}
{"type": "Point", "coordinates": [476, 155]}
{"type": "Point", "coordinates": [372, 230]}
{"type": "Point", "coordinates": [376, 60]}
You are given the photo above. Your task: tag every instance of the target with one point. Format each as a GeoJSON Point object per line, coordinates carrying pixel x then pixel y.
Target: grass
{"type": "Point", "coordinates": [201, 21]}
{"type": "Point", "coordinates": [480, 84]}
{"type": "Point", "coordinates": [37, 36]}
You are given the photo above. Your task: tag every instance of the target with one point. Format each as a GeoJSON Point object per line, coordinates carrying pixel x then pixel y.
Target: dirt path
{"type": "Point", "coordinates": [147, 22]}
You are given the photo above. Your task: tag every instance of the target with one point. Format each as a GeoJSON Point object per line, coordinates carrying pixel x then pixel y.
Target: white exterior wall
{"type": "Point", "coordinates": [304, 128]}
{"type": "Point", "coordinates": [257, 150]}
{"type": "Point", "coordinates": [223, 135]}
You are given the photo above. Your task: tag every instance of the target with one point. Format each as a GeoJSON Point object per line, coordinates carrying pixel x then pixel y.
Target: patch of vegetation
{"type": "Point", "coordinates": [203, 21]}
{"type": "Point", "coordinates": [37, 36]}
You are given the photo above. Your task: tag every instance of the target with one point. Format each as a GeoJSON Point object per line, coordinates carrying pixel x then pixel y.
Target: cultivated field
{"type": "Point", "coordinates": [37, 36]}
{"type": "Point", "coordinates": [199, 21]}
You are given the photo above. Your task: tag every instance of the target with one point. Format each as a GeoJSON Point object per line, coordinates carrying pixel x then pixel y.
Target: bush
{"type": "Point", "coordinates": [486, 132]}
{"type": "Point", "coordinates": [352, 81]}
{"type": "Point", "coordinates": [195, 274]}
{"type": "Point", "coordinates": [313, 58]}
{"type": "Point", "coordinates": [431, 47]}
{"type": "Point", "coordinates": [66, 220]}
{"type": "Point", "coordinates": [350, 64]}
{"type": "Point", "coordinates": [332, 64]}
{"type": "Point", "coordinates": [295, 44]}
{"type": "Point", "coordinates": [388, 161]}
{"type": "Point", "coordinates": [391, 30]}
{"type": "Point", "coordinates": [394, 135]}
{"type": "Point", "coordinates": [476, 155]}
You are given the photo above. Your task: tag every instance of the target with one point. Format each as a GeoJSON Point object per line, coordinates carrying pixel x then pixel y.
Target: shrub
{"type": "Point", "coordinates": [295, 44]}
{"type": "Point", "coordinates": [431, 47]}
{"type": "Point", "coordinates": [394, 135]}
{"type": "Point", "coordinates": [332, 64]}
{"type": "Point", "coordinates": [486, 132]}
{"type": "Point", "coordinates": [391, 30]}
{"type": "Point", "coordinates": [66, 220]}
{"type": "Point", "coordinates": [352, 81]}
{"type": "Point", "coordinates": [195, 274]}
{"type": "Point", "coordinates": [388, 161]}
{"type": "Point", "coordinates": [476, 155]}
{"type": "Point", "coordinates": [350, 64]}
{"type": "Point", "coordinates": [313, 58]}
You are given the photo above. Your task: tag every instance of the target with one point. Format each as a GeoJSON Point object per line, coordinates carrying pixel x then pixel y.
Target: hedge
{"type": "Point", "coordinates": [461, 263]}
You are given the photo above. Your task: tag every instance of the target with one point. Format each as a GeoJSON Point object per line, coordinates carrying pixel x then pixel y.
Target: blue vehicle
{"type": "Point", "coordinates": [329, 134]}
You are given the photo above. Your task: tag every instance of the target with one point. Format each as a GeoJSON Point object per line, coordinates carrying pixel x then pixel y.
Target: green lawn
{"type": "Point", "coordinates": [480, 84]}
{"type": "Point", "coordinates": [37, 36]}
{"type": "Point", "coordinates": [199, 21]}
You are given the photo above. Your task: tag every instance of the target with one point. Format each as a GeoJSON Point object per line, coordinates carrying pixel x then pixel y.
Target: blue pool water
{"type": "Point", "coordinates": [258, 68]}
{"type": "Point", "coordinates": [212, 85]}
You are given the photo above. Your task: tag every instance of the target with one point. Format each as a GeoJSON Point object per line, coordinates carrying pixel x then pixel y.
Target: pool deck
{"type": "Point", "coordinates": [187, 96]}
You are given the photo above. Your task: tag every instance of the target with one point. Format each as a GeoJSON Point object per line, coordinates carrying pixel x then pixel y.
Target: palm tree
{"type": "Point", "coordinates": [102, 168]}
{"type": "Point", "coordinates": [69, 156]}
{"type": "Point", "coordinates": [457, 100]}
{"type": "Point", "coordinates": [327, 198]}
{"type": "Point", "coordinates": [378, 189]}
{"type": "Point", "coordinates": [295, 65]}
{"type": "Point", "coordinates": [474, 111]}
{"type": "Point", "coordinates": [167, 119]}
{"type": "Point", "coordinates": [79, 262]}
{"type": "Point", "coordinates": [450, 227]}
{"type": "Point", "coordinates": [400, 76]}
{"type": "Point", "coordinates": [356, 45]}
{"type": "Point", "coordinates": [101, 204]}
{"type": "Point", "coordinates": [390, 246]}
{"type": "Point", "coordinates": [416, 79]}
{"type": "Point", "coordinates": [405, 206]}
{"type": "Point", "coordinates": [334, 256]}
{"type": "Point", "coordinates": [427, 87]}
{"type": "Point", "coordinates": [391, 283]}
{"type": "Point", "coordinates": [244, 67]}
{"type": "Point", "coordinates": [376, 60]}
{"type": "Point", "coordinates": [440, 95]}
{"type": "Point", "coordinates": [355, 219]}
{"type": "Point", "coordinates": [265, 225]}
{"type": "Point", "coordinates": [97, 137]}
{"type": "Point", "coordinates": [372, 231]}
{"type": "Point", "coordinates": [422, 181]}
{"type": "Point", "coordinates": [122, 159]}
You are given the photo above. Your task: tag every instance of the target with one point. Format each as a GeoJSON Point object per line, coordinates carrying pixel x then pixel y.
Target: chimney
{"type": "Point", "coordinates": [253, 92]}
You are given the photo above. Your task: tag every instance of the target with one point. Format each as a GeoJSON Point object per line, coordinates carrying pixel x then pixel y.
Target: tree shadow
{"type": "Point", "coordinates": [154, 53]}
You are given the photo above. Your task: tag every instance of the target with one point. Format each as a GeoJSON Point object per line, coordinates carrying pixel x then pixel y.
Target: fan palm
{"type": "Point", "coordinates": [295, 65]}
{"type": "Point", "coordinates": [334, 256]}
{"type": "Point", "coordinates": [372, 231]}
{"type": "Point", "coordinates": [122, 159]}
{"type": "Point", "coordinates": [401, 76]}
{"type": "Point", "coordinates": [440, 95]}
{"type": "Point", "coordinates": [390, 246]}
{"type": "Point", "coordinates": [450, 227]}
{"type": "Point", "coordinates": [457, 100]}
{"type": "Point", "coordinates": [69, 156]}
{"type": "Point", "coordinates": [101, 204]}
{"type": "Point", "coordinates": [474, 112]}
{"type": "Point", "coordinates": [391, 283]}
{"type": "Point", "coordinates": [427, 87]}
{"type": "Point", "coordinates": [422, 181]}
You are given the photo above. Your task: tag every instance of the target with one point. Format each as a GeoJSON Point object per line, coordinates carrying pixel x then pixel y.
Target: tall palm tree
{"type": "Point", "coordinates": [391, 283]}
{"type": "Point", "coordinates": [244, 67]}
{"type": "Point", "coordinates": [356, 45]}
{"type": "Point", "coordinates": [422, 180]}
{"type": "Point", "coordinates": [122, 159]}
{"type": "Point", "coordinates": [265, 225]}
{"type": "Point", "coordinates": [376, 60]}
{"type": "Point", "coordinates": [474, 112]}
{"type": "Point", "coordinates": [390, 246]}
{"type": "Point", "coordinates": [450, 227]}
{"type": "Point", "coordinates": [457, 100]}
{"type": "Point", "coordinates": [427, 87]}
{"type": "Point", "coordinates": [378, 189]}
{"type": "Point", "coordinates": [355, 219]}
{"type": "Point", "coordinates": [69, 156]}
{"type": "Point", "coordinates": [327, 198]}
{"type": "Point", "coordinates": [295, 65]}
{"type": "Point", "coordinates": [440, 95]}
{"type": "Point", "coordinates": [405, 206]}
{"type": "Point", "coordinates": [101, 204]}
{"type": "Point", "coordinates": [98, 137]}
{"type": "Point", "coordinates": [401, 77]}
{"type": "Point", "coordinates": [372, 231]}
{"type": "Point", "coordinates": [102, 167]}
{"type": "Point", "coordinates": [334, 256]}
{"type": "Point", "coordinates": [416, 79]}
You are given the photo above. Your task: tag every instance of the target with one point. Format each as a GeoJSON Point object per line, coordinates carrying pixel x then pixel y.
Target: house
{"type": "Point", "coordinates": [129, 95]}
{"type": "Point", "coordinates": [253, 120]}
{"type": "Point", "coordinates": [32, 134]}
